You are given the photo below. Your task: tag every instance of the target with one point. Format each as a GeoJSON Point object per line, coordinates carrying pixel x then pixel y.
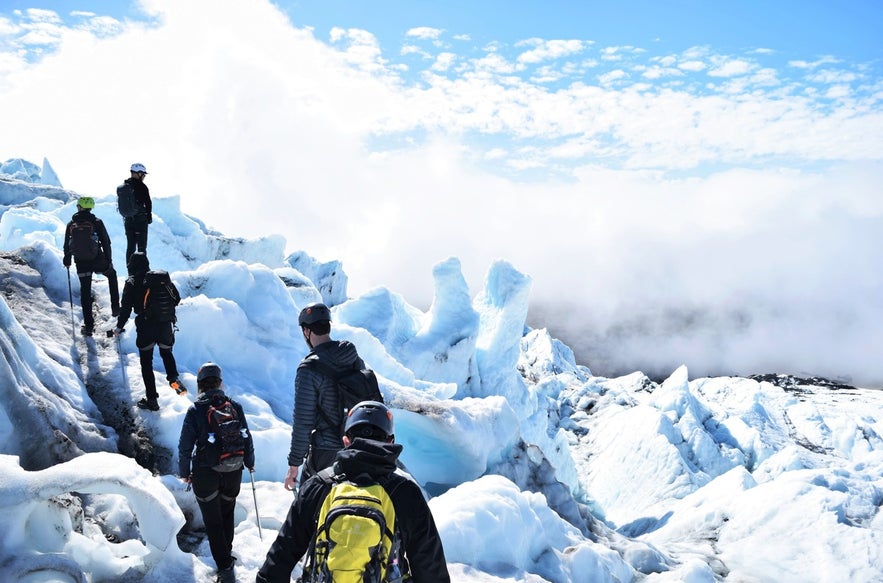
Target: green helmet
{"type": "Point", "coordinates": [372, 413]}
{"type": "Point", "coordinates": [313, 313]}
{"type": "Point", "coordinates": [86, 202]}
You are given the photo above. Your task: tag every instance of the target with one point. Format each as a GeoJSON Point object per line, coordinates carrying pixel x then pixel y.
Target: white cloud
{"type": "Point", "coordinates": [262, 128]}
{"type": "Point", "coordinates": [550, 50]}
{"type": "Point", "coordinates": [694, 66]}
{"type": "Point", "coordinates": [425, 32]}
{"type": "Point", "coordinates": [730, 67]}
{"type": "Point", "coordinates": [444, 61]}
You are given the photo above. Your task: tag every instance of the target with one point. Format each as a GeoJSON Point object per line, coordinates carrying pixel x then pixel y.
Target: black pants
{"type": "Point", "coordinates": [113, 285]}
{"type": "Point", "coordinates": [150, 334]}
{"type": "Point", "coordinates": [216, 494]}
{"type": "Point", "coordinates": [136, 235]}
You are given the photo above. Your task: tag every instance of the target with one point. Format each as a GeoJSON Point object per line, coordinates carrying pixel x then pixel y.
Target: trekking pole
{"type": "Point", "coordinates": [70, 295]}
{"type": "Point", "coordinates": [255, 496]}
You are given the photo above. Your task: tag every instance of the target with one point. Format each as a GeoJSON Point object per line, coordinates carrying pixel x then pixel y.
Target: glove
{"type": "Point", "coordinates": [149, 219]}
{"type": "Point", "coordinates": [66, 261]}
{"type": "Point", "coordinates": [117, 331]}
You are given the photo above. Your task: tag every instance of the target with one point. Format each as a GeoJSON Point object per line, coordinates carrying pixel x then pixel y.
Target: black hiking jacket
{"type": "Point", "coordinates": [313, 391]}
{"type": "Point", "coordinates": [194, 433]}
{"type": "Point", "coordinates": [364, 461]}
{"type": "Point", "coordinates": [103, 260]}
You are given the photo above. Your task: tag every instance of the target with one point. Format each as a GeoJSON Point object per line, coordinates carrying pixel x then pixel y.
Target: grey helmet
{"type": "Point", "coordinates": [371, 413]}
{"type": "Point", "coordinates": [312, 313]}
{"type": "Point", "coordinates": [208, 370]}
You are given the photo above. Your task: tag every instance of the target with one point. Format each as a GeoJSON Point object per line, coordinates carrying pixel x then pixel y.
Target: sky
{"type": "Point", "coordinates": [535, 468]}
{"type": "Point", "coordinates": [716, 166]}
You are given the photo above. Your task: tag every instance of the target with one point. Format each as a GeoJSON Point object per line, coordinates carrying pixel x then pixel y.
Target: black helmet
{"type": "Point", "coordinates": [138, 263]}
{"type": "Point", "coordinates": [208, 370]}
{"type": "Point", "coordinates": [315, 312]}
{"type": "Point", "coordinates": [371, 413]}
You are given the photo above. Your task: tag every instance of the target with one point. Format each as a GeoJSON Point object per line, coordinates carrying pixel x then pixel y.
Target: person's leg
{"type": "Point", "coordinates": [317, 460]}
{"type": "Point", "coordinates": [230, 485]}
{"type": "Point", "coordinates": [113, 286]}
{"type": "Point", "coordinates": [86, 299]}
{"type": "Point", "coordinates": [130, 237]}
{"type": "Point", "coordinates": [145, 342]}
{"type": "Point", "coordinates": [141, 237]}
{"type": "Point", "coordinates": [206, 488]}
{"type": "Point", "coordinates": [165, 340]}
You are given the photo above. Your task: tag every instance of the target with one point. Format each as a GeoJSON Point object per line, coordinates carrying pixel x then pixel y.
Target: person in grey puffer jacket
{"type": "Point", "coordinates": [316, 429]}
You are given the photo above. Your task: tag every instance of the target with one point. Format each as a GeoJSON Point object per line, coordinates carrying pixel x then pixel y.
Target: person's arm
{"type": "Point", "coordinates": [104, 239]}
{"type": "Point", "coordinates": [248, 458]}
{"type": "Point", "coordinates": [303, 421]}
{"type": "Point", "coordinates": [148, 205]}
{"type": "Point", "coordinates": [126, 303]}
{"type": "Point", "coordinates": [420, 538]}
{"type": "Point", "coordinates": [186, 443]}
{"type": "Point", "coordinates": [294, 537]}
{"type": "Point", "coordinates": [66, 260]}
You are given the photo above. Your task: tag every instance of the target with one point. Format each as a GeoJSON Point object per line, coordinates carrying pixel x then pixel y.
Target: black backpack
{"type": "Point", "coordinates": [126, 203]}
{"type": "Point", "coordinates": [160, 297]}
{"type": "Point", "coordinates": [84, 243]}
{"type": "Point", "coordinates": [354, 385]}
{"type": "Point", "coordinates": [225, 439]}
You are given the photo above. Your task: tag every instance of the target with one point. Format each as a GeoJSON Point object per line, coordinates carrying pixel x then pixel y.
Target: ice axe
{"type": "Point", "coordinates": [254, 494]}
{"type": "Point", "coordinates": [70, 295]}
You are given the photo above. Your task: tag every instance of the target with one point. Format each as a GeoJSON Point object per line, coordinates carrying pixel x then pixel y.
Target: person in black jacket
{"type": "Point", "coordinates": [215, 488]}
{"type": "Point", "coordinates": [149, 333]}
{"type": "Point", "coordinates": [316, 403]}
{"type": "Point", "coordinates": [136, 225]}
{"type": "Point", "coordinates": [98, 259]}
{"type": "Point", "coordinates": [369, 457]}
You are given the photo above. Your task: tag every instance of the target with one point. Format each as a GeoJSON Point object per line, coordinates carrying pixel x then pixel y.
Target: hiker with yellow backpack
{"type": "Point", "coordinates": [361, 520]}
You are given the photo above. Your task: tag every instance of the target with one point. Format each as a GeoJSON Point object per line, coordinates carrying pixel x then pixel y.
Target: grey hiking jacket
{"type": "Point", "coordinates": [312, 391]}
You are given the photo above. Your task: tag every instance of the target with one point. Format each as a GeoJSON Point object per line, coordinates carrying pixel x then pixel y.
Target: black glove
{"type": "Point", "coordinates": [66, 261]}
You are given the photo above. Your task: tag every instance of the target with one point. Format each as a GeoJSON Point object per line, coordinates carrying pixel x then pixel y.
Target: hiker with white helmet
{"type": "Point", "coordinates": [136, 208]}
{"type": "Point", "coordinates": [87, 242]}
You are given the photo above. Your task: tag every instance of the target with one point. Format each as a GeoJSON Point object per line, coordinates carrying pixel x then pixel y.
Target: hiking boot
{"type": "Point", "coordinates": [178, 386]}
{"type": "Point", "coordinates": [149, 404]}
{"type": "Point", "coordinates": [227, 575]}
{"type": "Point", "coordinates": [86, 330]}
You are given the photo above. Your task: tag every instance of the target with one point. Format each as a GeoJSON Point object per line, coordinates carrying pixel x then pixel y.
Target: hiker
{"type": "Point", "coordinates": [136, 208]}
{"type": "Point", "coordinates": [86, 240]}
{"type": "Point", "coordinates": [216, 426]}
{"type": "Point", "coordinates": [369, 457]}
{"type": "Point", "coordinates": [153, 297]}
{"type": "Point", "coordinates": [315, 399]}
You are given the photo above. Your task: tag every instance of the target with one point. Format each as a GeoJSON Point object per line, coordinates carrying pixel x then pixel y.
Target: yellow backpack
{"type": "Point", "coordinates": [354, 540]}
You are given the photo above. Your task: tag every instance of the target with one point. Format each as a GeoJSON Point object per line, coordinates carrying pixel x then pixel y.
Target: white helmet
{"type": "Point", "coordinates": [138, 167]}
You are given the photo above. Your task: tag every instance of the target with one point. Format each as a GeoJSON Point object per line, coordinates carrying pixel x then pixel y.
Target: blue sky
{"type": "Point", "coordinates": [657, 147]}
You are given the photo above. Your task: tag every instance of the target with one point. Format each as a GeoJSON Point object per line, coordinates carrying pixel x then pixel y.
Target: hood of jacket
{"type": "Point", "coordinates": [367, 460]}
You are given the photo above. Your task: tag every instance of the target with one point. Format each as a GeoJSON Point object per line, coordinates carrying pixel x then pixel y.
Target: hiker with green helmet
{"type": "Point", "coordinates": [317, 419]}
{"type": "Point", "coordinates": [87, 242]}
{"type": "Point", "coordinates": [136, 208]}
{"type": "Point", "coordinates": [368, 459]}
